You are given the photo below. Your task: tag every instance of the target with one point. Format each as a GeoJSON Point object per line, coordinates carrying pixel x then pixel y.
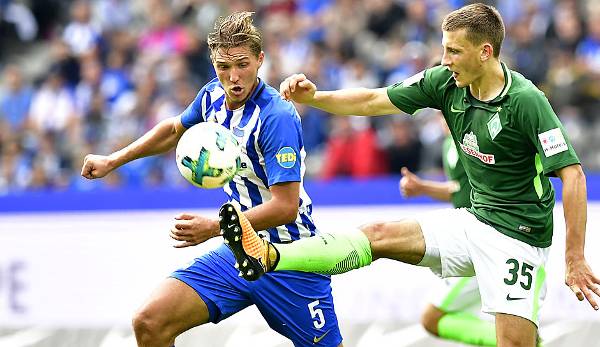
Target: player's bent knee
{"type": "Point", "coordinates": [430, 318]}
{"type": "Point", "coordinates": [149, 330]}
{"type": "Point", "coordinates": [401, 240]}
{"type": "Point", "coordinates": [374, 231]}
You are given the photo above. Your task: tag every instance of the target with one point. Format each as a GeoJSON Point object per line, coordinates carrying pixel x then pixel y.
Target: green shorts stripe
{"type": "Point", "coordinates": [540, 278]}
{"type": "Point", "coordinates": [454, 293]}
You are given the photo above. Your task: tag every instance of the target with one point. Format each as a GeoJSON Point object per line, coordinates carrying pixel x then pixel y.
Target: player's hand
{"type": "Point", "coordinates": [582, 281]}
{"type": "Point", "coordinates": [297, 88]}
{"type": "Point", "coordinates": [192, 230]}
{"type": "Point", "coordinates": [95, 166]}
{"type": "Point", "coordinates": [410, 184]}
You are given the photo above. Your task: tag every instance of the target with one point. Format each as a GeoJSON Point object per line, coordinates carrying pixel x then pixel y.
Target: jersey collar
{"type": "Point", "coordinates": [493, 104]}
{"type": "Point", "coordinates": [259, 88]}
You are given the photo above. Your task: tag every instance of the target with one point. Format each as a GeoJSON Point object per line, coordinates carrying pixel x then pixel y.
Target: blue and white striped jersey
{"type": "Point", "coordinates": [269, 131]}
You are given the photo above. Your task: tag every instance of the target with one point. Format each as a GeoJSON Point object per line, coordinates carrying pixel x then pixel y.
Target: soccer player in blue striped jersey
{"type": "Point", "coordinates": [268, 191]}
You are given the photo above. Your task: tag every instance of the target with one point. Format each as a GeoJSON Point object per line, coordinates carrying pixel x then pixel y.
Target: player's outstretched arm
{"type": "Point", "coordinates": [351, 102]}
{"type": "Point", "coordinates": [161, 138]}
{"type": "Point", "coordinates": [412, 185]}
{"type": "Point", "coordinates": [579, 276]}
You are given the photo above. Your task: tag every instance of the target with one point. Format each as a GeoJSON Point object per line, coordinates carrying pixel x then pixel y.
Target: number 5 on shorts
{"type": "Point", "coordinates": [514, 273]}
{"type": "Point", "coordinates": [316, 314]}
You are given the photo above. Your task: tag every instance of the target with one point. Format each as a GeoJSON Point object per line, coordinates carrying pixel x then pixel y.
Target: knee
{"type": "Point", "coordinates": [430, 319]}
{"type": "Point", "coordinates": [148, 329]}
{"type": "Point", "coordinates": [374, 231]}
{"type": "Point", "coordinates": [401, 240]}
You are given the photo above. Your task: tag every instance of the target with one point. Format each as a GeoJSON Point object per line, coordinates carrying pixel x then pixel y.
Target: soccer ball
{"type": "Point", "coordinates": [208, 155]}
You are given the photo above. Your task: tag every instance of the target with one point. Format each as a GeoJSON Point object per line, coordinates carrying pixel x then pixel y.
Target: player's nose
{"type": "Point", "coordinates": [234, 75]}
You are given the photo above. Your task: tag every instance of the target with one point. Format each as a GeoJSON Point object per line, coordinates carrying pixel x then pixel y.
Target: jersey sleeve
{"type": "Point", "coordinates": [280, 141]}
{"type": "Point", "coordinates": [418, 91]}
{"type": "Point", "coordinates": [542, 127]}
{"type": "Point", "coordinates": [194, 113]}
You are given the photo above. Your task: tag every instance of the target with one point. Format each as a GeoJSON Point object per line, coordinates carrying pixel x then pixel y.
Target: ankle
{"type": "Point", "coordinates": [273, 257]}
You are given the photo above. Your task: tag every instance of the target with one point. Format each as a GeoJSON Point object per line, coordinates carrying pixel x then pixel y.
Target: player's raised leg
{"type": "Point", "coordinates": [172, 308]}
{"type": "Point", "coordinates": [325, 253]}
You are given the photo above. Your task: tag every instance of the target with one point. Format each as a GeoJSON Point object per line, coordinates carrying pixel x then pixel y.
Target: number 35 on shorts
{"type": "Point", "coordinates": [519, 272]}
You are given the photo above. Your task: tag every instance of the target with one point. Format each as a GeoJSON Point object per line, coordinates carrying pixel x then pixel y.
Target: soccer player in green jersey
{"type": "Point", "coordinates": [452, 311]}
{"type": "Point", "coordinates": [509, 140]}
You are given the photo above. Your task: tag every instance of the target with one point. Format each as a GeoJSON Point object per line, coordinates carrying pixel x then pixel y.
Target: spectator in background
{"type": "Point", "coordinates": [404, 149]}
{"type": "Point", "coordinates": [17, 24]}
{"type": "Point", "coordinates": [588, 49]}
{"type": "Point", "coordinates": [19, 16]}
{"type": "Point", "coordinates": [115, 79]}
{"type": "Point", "coordinates": [112, 15]}
{"type": "Point", "coordinates": [566, 28]}
{"type": "Point", "coordinates": [90, 101]}
{"type": "Point", "coordinates": [66, 64]}
{"type": "Point", "coordinates": [164, 37]}
{"type": "Point", "coordinates": [588, 55]}
{"type": "Point", "coordinates": [198, 61]}
{"type": "Point", "coordinates": [15, 103]}
{"type": "Point", "coordinates": [417, 26]}
{"type": "Point", "coordinates": [530, 56]}
{"type": "Point", "coordinates": [53, 109]}
{"type": "Point", "coordinates": [352, 150]}
{"type": "Point", "coordinates": [384, 16]}
{"type": "Point", "coordinates": [80, 34]}
{"type": "Point", "coordinates": [14, 166]}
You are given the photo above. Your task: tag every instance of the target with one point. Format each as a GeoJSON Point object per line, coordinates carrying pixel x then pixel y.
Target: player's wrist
{"type": "Point", "coordinates": [574, 257]}
{"type": "Point", "coordinates": [113, 161]}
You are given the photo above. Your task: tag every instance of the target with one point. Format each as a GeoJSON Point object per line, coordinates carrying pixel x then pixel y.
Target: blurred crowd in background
{"type": "Point", "coordinates": [83, 77]}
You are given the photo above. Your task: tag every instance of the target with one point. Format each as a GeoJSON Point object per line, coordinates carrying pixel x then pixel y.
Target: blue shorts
{"type": "Point", "coordinates": [298, 305]}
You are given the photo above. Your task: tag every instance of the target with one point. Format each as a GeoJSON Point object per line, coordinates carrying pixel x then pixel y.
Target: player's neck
{"type": "Point", "coordinates": [491, 82]}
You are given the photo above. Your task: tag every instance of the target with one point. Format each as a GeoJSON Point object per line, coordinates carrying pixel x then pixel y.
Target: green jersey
{"type": "Point", "coordinates": [508, 147]}
{"type": "Point", "coordinates": [455, 171]}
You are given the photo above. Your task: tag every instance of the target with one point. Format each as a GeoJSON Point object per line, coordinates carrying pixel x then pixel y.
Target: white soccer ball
{"type": "Point", "coordinates": [208, 155]}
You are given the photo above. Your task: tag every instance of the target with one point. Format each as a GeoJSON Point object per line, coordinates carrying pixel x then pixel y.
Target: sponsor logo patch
{"type": "Point", "coordinates": [470, 147]}
{"type": "Point", "coordinates": [553, 142]}
{"type": "Point", "coordinates": [525, 228]}
{"type": "Point", "coordinates": [286, 157]}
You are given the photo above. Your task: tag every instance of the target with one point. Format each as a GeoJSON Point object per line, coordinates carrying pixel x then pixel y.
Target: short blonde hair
{"type": "Point", "coordinates": [482, 22]}
{"type": "Point", "coordinates": [235, 30]}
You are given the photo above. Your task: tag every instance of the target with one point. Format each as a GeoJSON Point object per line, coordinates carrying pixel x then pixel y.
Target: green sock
{"type": "Point", "coordinates": [328, 254]}
{"type": "Point", "coordinates": [465, 327]}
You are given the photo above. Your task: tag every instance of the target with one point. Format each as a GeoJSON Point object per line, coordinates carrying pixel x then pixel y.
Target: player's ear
{"type": "Point", "coordinates": [261, 58]}
{"type": "Point", "coordinates": [487, 51]}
